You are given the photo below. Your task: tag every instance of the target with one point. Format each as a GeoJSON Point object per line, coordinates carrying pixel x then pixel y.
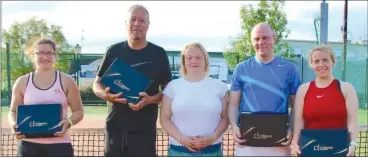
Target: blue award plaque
{"type": "Point", "coordinates": [39, 120]}
{"type": "Point", "coordinates": [324, 142]}
{"type": "Point", "coordinates": [120, 77]}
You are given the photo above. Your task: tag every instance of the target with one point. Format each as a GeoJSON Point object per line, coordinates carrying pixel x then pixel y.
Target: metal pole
{"type": "Point", "coordinates": [173, 62]}
{"type": "Point", "coordinates": [366, 71]}
{"type": "Point", "coordinates": [8, 68]}
{"type": "Point", "coordinates": [366, 81]}
{"type": "Point", "coordinates": [302, 71]}
{"type": "Point", "coordinates": [345, 27]}
{"type": "Point", "coordinates": [77, 68]}
{"type": "Point", "coordinates": [324, 23]}
{"type": "Point", "coordinates": [1, 74]}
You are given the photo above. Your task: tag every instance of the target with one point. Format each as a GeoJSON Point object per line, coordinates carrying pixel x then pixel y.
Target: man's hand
{"type": "Point", "coordinates": [114, 98]}
{"type": "Point", "coordinates": [146, 99]}
{"type": "Point", "coordinates": [289, 137]}
{"type": "Point", "coordinates": [237, 137]}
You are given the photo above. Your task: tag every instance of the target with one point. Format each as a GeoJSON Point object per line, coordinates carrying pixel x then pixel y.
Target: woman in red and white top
{"type": "Point", "coordinates": [46, 85]}
{"type": "Point", "coordinates": [325, 103]}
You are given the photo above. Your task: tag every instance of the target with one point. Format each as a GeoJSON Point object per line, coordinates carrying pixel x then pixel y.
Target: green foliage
{"type": "Point", "coordinates": [21, 36]}
{"type": "Point", "coordinates": [269, 12]}
{"type": "Point", "coordinates": [4, 93]}
{"type": "Point", "coordinates": [88, 95]}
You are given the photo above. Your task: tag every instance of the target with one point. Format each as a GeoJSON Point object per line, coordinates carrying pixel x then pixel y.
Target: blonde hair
{"type": "Point", "coordinates": [183, 70]}
{"type": "Point", "coordinates": [324, 48]}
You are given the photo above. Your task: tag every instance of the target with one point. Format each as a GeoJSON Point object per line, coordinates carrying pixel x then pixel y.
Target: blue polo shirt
{"type": "Point", "coordinates": [265, 88]}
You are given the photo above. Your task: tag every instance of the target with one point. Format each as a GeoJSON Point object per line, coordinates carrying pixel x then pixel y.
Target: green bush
{"type": "Point", "coordinates": [5, 99]}
{"type": "Point", "coordinates": [89, 95]}
{"type": "Point", "coordinates": [4, 93]}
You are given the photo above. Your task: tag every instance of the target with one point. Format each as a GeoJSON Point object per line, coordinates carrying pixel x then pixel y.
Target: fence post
{"type": "Point", "coordinates": [173, 62]}
{"type": "Point", "coordinates": [1, 74]}
{"type": "Point", "coordinates": [77, 68]}
{"type": "Point", "coordinates": [366, 83]}
{"type": "Point", "coordinates": [302, 70]}
{"type": "Point", "coordinates": [73, 63]}
{"type": "Point", "coordinates": [8, 68]}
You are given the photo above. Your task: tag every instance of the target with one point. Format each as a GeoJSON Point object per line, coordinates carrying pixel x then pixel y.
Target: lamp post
{"type": "Point", "coordinates": [323, 23]}
{"type": "Point", "coordinates": [1, 70]}
{"type": "Point", "coordinates": [78, 51]}
{"type": "Point", "coordinates": [345, 29]}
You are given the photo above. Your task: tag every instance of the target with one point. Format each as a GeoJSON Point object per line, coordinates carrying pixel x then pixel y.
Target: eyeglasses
{"type": "Point", "coordinates": [45, 53]}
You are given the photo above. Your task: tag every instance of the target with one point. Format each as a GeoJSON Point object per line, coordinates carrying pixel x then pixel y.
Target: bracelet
{"type": "Point", "coordinates": [70, 121]}
{"type": "Point", "coordinates": [353, 143]}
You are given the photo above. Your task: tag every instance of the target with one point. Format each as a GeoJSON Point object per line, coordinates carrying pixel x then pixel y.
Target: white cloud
{"type": "Point", "coordinates": [307, 10]}
{"type": "Point", "coordinates": [301, 10]}
{"type": "Point", "coordinates": [295, 34]}
{"type": "Point", "coordinates": [104, 20]}
{"type": "Point", "coordinates": [358, 5]}
{"type": "Point", "coordinates": [94, 49]}
{"type": "Point", "coordinates": [199, 18]}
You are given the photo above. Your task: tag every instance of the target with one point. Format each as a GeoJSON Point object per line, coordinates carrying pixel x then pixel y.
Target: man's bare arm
{"type": "Point", "coordinates": [99, 89]}
{"type": "Point", "coordinates": [291, 114]}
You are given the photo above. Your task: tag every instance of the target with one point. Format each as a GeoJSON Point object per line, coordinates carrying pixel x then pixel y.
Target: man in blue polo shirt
{"type": "Point", "coordinates": [264, 83]}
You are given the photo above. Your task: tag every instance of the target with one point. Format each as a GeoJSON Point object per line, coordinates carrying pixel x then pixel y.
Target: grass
{"type": "Point", "coordinates": [363, 116]}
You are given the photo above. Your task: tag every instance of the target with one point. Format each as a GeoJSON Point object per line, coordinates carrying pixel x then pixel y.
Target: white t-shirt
{"type": "Point", "coordinates": [196, 106]}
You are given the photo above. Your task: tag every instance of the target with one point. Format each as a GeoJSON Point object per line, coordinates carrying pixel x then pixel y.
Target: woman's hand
{"type": "Point", "coordinates": [204, 141]}
{"type": "Point", "coordinates": [351, 151]}
{"type": "Point", "coordinates": [295, 149]}
{"type": "Point", "coordinates": [189, 142]}
{"type": "Point", "coordinates": [65, 125]}
{"type": "Point", "coordinates": [17, 135]}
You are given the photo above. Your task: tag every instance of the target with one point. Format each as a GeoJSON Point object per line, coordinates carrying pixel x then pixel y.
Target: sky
{"type": "Point", "coordinates": [177, 23]}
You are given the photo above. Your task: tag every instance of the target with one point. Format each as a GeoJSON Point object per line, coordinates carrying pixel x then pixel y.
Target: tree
{"type": "Point", "coordinates": [269, 12]}
{"type": "Point", "coordinates": [22, 35]}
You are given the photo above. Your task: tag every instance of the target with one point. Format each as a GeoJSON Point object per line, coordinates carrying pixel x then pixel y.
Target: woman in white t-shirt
{"type": "Point", "coordinates": [193, 108]}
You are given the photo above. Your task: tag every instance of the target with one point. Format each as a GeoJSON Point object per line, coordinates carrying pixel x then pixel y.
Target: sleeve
{"type": "Point", "coordinates": [294, 80]}
{"type": "Point", "coordinates": [168, 91]}
{"type": "Point", "coordinates": [165, 69]}
{"type": "Point", "coordinates": [235, 81]}
{"type": "Point", "coordinates": [105, 63]}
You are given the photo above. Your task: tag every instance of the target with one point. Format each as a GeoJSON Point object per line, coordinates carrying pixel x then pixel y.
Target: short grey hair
{"type": "Point", "coordinates": [139, 6]}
